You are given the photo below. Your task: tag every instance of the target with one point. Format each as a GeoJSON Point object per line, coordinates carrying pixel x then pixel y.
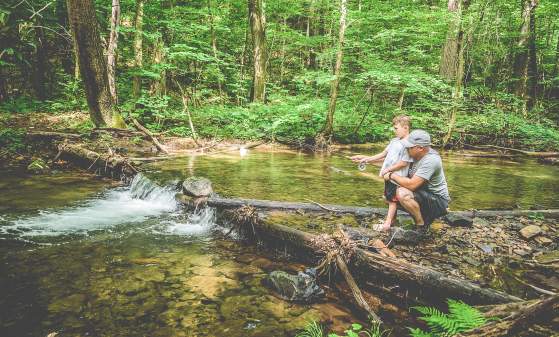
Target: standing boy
{"type": "Point", "coordinates": [396, 160]}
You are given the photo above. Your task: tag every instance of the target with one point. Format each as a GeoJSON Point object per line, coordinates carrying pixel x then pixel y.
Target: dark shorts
{"type": "Point", "coordinates": [432, 206]}
{"type": "Point", "coordinates": [390, 191]}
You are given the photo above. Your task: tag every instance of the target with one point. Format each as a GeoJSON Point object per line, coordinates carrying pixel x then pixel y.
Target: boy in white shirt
{"type": "Point", "coordinates": [397, 160]}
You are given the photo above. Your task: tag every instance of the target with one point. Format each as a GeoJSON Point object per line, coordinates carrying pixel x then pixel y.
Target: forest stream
{"type": "Point", "coordinates": [85, 256]}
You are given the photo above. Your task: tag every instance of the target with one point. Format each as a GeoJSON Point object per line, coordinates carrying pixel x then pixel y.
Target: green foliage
{"type": "Point", "coordinates": [37, 165]}
{"type": "Point", "coordinates": [312, 329]}
{"type": "Point", "coordinates": [12, 139]}
{"type": "Point", "coordinates": [461, 317]}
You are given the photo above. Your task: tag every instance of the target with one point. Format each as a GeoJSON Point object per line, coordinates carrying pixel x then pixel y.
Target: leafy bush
{"type": "Point", "coordinates": [12, 139]}
{"type": "Point", "coordinates": [461, 317]}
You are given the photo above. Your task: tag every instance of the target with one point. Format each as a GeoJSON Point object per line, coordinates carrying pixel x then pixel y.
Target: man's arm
{"type": "Point", "coordinates": [411, 184]}
{"type": "Point", "coordinates": [399, 165]}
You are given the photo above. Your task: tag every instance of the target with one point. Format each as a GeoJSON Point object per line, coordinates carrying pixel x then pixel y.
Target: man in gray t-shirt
{"type": "Point", "coordinates": [425, 193]}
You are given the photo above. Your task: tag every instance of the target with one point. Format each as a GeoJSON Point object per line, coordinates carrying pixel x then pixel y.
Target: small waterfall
{"type": "Point", "coordinates": [141, 200]}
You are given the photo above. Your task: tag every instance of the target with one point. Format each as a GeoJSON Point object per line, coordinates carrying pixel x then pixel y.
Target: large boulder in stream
{"type": "Point", "coordinates": [297, 288]}
{"type": "Point", "coordinates": [197, 187]}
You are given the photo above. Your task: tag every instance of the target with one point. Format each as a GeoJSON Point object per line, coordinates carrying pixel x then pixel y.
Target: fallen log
{"type": "Point", "coordinates": [109, 164]}
{"type": "Point", "coordinates": [361, 211]}
{"type": "Point", "coordinates": [523, 152]}
{"type": "Point", "coordinates": [150, 135]}
{"type": "Point", "coordinates": [53, 135]}
{"type": "Point", "coordinates": [373, 267]}
{"type": "Point", "coordinates": [532, 313]}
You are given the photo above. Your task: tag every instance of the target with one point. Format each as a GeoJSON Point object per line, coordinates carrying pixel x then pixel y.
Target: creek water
{"type": "Point", "coordinates": [82, 256]}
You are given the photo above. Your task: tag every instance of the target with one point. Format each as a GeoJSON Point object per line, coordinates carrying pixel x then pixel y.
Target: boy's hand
{"type": "Point", "coordinates": [357, 158]}
{"type": "Point", "coordinates": [383, 172]}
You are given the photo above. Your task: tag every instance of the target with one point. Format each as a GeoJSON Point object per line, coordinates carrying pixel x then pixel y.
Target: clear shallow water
{"type": "Point", "coordinates": [127, 261]}
{"type": "Point", "coordinates": [474, 183]}
{"type": "Point", "coordinates": [80, 256]}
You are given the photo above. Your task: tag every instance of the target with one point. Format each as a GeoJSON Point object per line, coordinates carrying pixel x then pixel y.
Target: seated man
{"type": "Point", "coordinates": [424, 194]}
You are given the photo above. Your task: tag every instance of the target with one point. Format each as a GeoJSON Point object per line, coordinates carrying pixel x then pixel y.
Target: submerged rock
{"type": "Point", "coordinates": [458, 220]}
{"type": "Point", "coordinates": [298, 288]}
{"type": "Point", "coordinates": [197, 187]}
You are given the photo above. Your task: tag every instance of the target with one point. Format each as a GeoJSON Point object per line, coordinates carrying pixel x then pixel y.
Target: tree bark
{"type": "Point", "coordinates": [334, 84]}
{"type": "Point", "coordinates": [257, 21]}
{"type": "Point", "coordinates": [159, 86]}
{"type": "Point", "coordinates": [108, 164]}
{"type": "Point", "coordinates": [456, 68]}
{"type": "Point", "coordinates": [541, 311]}
{"type": "Point", "coordinates": [449, 57]}
{"type": "Point", "coordinates": [138, 39]}
{"type": "Point", "coordinates": [111, 50]}
{"type": "Point", "coordinates": [92, 63]}
{"type": "Point", "coordinates": [214, 45]}
{"type": "Point", "coordinates": [39, 74]}
{"type": "Point", "coordinates": [523, 70]}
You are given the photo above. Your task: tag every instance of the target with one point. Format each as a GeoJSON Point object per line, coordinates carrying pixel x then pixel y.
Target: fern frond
{"type": "Point", "coordinates": [420, 333]}
{"type": "Point", "coordinates": [465, 317]}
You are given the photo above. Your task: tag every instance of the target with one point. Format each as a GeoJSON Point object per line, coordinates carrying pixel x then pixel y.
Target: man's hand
{"type": "Point", "coordinates": [385, 171]}
{"type": "Point", "coordinates": [386, 176]}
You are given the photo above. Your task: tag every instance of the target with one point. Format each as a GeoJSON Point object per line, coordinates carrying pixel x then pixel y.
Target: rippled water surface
{"type": "Point", "coordinates": [82, 256]}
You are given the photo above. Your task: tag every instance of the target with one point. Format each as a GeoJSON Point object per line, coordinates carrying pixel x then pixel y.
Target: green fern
{"type": "Point", "coordinates": [461, 317]}
{"type": "Point", "coordinates": [312, 329]}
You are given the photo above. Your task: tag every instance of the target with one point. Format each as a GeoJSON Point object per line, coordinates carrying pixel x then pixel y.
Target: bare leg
{"type": "Point", "coordinates": [392, 206]}
{"type": "Point", "coordinates": [407, 201]}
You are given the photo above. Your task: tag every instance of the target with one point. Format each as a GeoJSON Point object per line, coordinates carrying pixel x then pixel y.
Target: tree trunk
{"type": "Point", "coordinates": [39, 77]}
{"type": "Point", "coordinates": [159, 86]}
{"type": "Point", "coordinates": [138, 58]}
{"type": "Point", "coordinates": [449, 57]}
{"type": "Point", "coordinates": [334, 84]}
{"type": "Point", "coordinates": [214, 44]}
{"type": "Point", "coordinates": [523, 54]}
{"type": "Point", "coordinates": [532, 63]}
{"type": "Point", "coordinates": [65, 44]}
{"type": "Point", "coordinates": [92, 63]}
{"type": "Point", "coordinates": [111, 50]}
{"type": "Point", "coordinates": [457, 71]}
{"type": "Point", "coordinates": [257, 21]}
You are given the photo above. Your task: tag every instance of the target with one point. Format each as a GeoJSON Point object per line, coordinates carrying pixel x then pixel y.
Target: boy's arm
{"type": "Point", "coordinates": [361, 158]}
{"type": "Point", "coordinates": [376, 157]}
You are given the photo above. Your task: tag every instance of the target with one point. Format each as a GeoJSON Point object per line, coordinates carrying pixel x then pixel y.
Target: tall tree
{"type": "Point", "coordinates": [92, 63]}
{"type": "Point", "coordinates": [525, 69]}
{"type": "Point", "coordinates": [138, 39]}
{"type": "Point", "coordinates": [257, 21]}
{"type": "Point", "coordinates": [456, 66]}
{"type": "Point", "coordinates": [111, 49]}
{"type": "Point", "coordinates": [214, 43]}
{"type": "Point", "coordinates": [449, 58]}
{"type": "Point", "coordinates": [334, 84]}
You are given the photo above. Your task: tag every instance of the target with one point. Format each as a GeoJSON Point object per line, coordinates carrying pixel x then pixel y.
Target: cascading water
{"type": "Point", "coordinates": [141, 202]}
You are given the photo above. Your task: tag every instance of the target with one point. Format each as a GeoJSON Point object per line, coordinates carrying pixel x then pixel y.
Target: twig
{"type": "Point", "coordinates": [321, 206]}
{"type": "Point", "coordinates": [90, 166]}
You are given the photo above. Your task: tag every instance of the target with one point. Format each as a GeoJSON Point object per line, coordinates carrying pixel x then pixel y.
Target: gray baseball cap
{"type": "Point", "coordinates": [417, 138]}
